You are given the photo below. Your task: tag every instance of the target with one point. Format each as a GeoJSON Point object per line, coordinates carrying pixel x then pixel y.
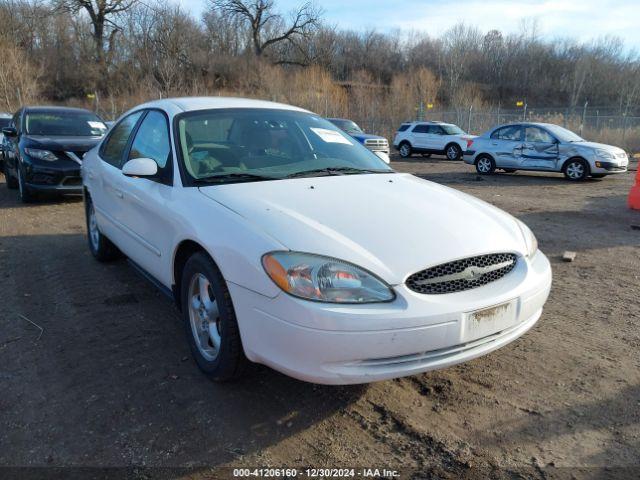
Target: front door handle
{"type": "Point", "coordinates": [119, 193]}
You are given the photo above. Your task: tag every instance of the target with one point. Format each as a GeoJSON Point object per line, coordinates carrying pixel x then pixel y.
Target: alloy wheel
{"type": "Point", "coordinates": [575, 170]}
{"type": "Point", "coordinates": [452, 153]}
{"type": "Point", "coordinates": [484, 165]}
{"type": "Point", "coordinates": [94, 233]}
{"type": "Point", "coordinates": [204, 317]}
{"type": "Point", "coordinates": [405, 151]}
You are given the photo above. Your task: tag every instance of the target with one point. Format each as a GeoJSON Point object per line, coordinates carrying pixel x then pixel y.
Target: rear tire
{"type": "Point", "coordinates": [576, 170]}
{"type": "Point", "coordinates": [453, 152]}
{"type": "Point", "coordinates": [210, 320]}
{"type": "Point", "coordinates": [485, 165]}
{"type": "Point", "coordinates": [405, 150]}
{"type": "Point", "coordinates": [100, 246]}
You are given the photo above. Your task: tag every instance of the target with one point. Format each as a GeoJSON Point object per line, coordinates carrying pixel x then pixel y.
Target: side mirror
{"type": "Point", "coordinates": [9, 131]}
{"type": "Point", "coordinates": [140, 167]}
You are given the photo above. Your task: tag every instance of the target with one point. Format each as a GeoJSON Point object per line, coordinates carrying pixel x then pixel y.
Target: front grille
{"type": "Point", "coordinates": [72, 182]}
{"type": "Point", "coordinates": [376, 142]}
{"type": "Point", "coordinates": [461, 275]}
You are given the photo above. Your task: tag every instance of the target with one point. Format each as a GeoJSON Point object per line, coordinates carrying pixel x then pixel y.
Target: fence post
{"type": "Point", "coordinates": [524, 113]}
{"type": "Point", "coordinates": [470, 112]}
{"type": "Point", "coordinates": [584, 116]}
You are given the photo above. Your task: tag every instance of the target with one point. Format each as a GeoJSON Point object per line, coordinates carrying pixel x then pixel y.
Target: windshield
{"type": "Point", "coordinates": [347, 126]}
{"type": "Point", "coordinates": [563, 134]}
{"type": "Point", "coordinates": [68, 124]}
{"type": "Point", "coordinates": [249, 144]}
{"type": "Point", "coordinates": [453, 130]}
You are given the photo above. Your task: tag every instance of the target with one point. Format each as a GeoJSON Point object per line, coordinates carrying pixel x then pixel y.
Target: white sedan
{"type": "Point", "coordinates": [285, 242]}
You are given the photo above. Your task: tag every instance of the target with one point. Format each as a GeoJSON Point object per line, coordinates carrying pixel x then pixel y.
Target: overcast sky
{"type": "Point", "coordinates": [580, 19]}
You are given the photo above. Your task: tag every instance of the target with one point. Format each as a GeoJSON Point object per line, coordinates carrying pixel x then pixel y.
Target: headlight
{"type": "Point", "coordinates": [604, 153]}
{"type": "Point", "coordinates": [41, 154]}
{"type": "Point", "coordinates": [324, 279]}
{"type": "Point", "coordinates": [529, 238]}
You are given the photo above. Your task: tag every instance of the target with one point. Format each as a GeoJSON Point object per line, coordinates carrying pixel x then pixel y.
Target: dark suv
{"type": "Point", "coordinates": [46, 146]}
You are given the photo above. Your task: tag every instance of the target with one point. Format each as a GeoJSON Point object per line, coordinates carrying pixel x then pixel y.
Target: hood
{"type": "Point", "coordinates": [365, 136]}
{"type": "Point", "coordinates": [62, 143]}
{"type": "Point", "coordinates": [391, 224]}
{"type": "Point", "coordinates": [594, 145]}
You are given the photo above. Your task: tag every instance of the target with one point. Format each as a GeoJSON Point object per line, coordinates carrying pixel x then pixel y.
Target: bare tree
{"type": "Point", "coordinates": [102, 14]}
{"type": "Point", "coordinates": [266, 26]}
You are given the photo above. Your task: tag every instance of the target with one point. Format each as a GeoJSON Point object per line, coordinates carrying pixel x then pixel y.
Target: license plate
{"type": "Point", "coordinates": [488, 321]}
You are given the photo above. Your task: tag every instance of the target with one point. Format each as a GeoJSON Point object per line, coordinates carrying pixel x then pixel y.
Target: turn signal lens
{"type": "Point", "coordinates": [324, 279]}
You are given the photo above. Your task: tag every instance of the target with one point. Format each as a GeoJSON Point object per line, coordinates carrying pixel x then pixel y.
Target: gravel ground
{"type": "Point", "coordinates": [109, 381]}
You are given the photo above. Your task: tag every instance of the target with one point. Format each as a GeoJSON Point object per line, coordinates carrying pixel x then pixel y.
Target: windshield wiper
{"type": "Point", "coordinates": [235, 177]}
{"type": "Point", "coordinates": [335, 171]}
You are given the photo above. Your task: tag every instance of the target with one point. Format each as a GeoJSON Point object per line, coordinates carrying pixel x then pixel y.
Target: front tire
{"type": "Point", "coordinates": [576, 170]}
{"type": "Point", "coordinates": [405, 150]}
{"type": "Point", "coordinates": [210, 320]}
{"type": "Point", "coordinates": [485, 165]}
{"type": "Point", "coordinates": [100, 246]}
{"type": "Point", "coordinates": [453, 152]}
{"type": "Point", "coordinates": [12, 183]}
{"type": "Point", "coordinates": [25, 194]}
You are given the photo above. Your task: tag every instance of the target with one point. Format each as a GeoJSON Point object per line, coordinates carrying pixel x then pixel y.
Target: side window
{"type": "Point", "coordinates": [152, 139]}
{"type": "Point", "coordinates": [403, 128]}
{"type": "Point", "coordinates": [435, 130]}
{"type": "Point", "coordinates": [512, 132]}
{"type": "Point", "coordinates": [420, 129]}
{"type": "Point", "coordinates": [113, 148]}
{"type": "Point", "coordinates": [537, 135]}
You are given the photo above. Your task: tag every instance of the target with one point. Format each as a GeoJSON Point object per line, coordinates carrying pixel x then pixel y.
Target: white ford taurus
{"type": "Point", "coordinates": [287, 243]}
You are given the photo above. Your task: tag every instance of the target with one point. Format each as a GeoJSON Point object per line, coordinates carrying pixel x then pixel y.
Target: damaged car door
{"type": "Point", "coordinates": [540, 149]}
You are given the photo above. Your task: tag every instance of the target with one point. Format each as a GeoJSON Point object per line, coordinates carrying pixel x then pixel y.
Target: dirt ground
{"type": "Point", "coordinates": [109, 382]}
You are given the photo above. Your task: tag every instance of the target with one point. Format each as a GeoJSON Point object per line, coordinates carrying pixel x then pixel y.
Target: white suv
{"type": "Point", "coordinates": [432, 137]}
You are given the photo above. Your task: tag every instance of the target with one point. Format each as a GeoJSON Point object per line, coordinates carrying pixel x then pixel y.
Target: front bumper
{"type": "Point", "coordinates": [347, 344]}
{"type": "Point", "coordinates": [609, 167]}
{"type": "Point", "coordinates": [59, 177]}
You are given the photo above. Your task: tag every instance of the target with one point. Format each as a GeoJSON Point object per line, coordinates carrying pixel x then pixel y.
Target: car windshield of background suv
{"type": "Point", "coordinates": [68, 124]}
{"type": "Point", "coordinates": [262, 144]}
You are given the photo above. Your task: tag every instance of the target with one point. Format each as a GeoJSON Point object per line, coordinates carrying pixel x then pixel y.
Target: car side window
{"type": "Point", "coordinates": [435, 130]}
{"type": "Point", "coordinates": [537, 135]}
{"type": "Point", "coordinates": [113, 148]}
{"type": "Point", "coordinates": [152, 141]}
{"type": "Point", "coordinates": [420, 129]}
{"type": "Point", "coordinates": [512, 132]}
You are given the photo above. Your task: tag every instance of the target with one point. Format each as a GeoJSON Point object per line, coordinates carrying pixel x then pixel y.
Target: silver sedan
{"type": "Point", "coordinates": [543, 147]}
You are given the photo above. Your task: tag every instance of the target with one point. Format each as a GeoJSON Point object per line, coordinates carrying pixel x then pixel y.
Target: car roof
{"type": "Point", "coordinates": [188, 104]}
{"type": "Point", "coordinates": [427, 122]}
{"type": "Point", "coordinates": [525, 124]}
{"type": "Point", "coordinates": [45, 108]}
